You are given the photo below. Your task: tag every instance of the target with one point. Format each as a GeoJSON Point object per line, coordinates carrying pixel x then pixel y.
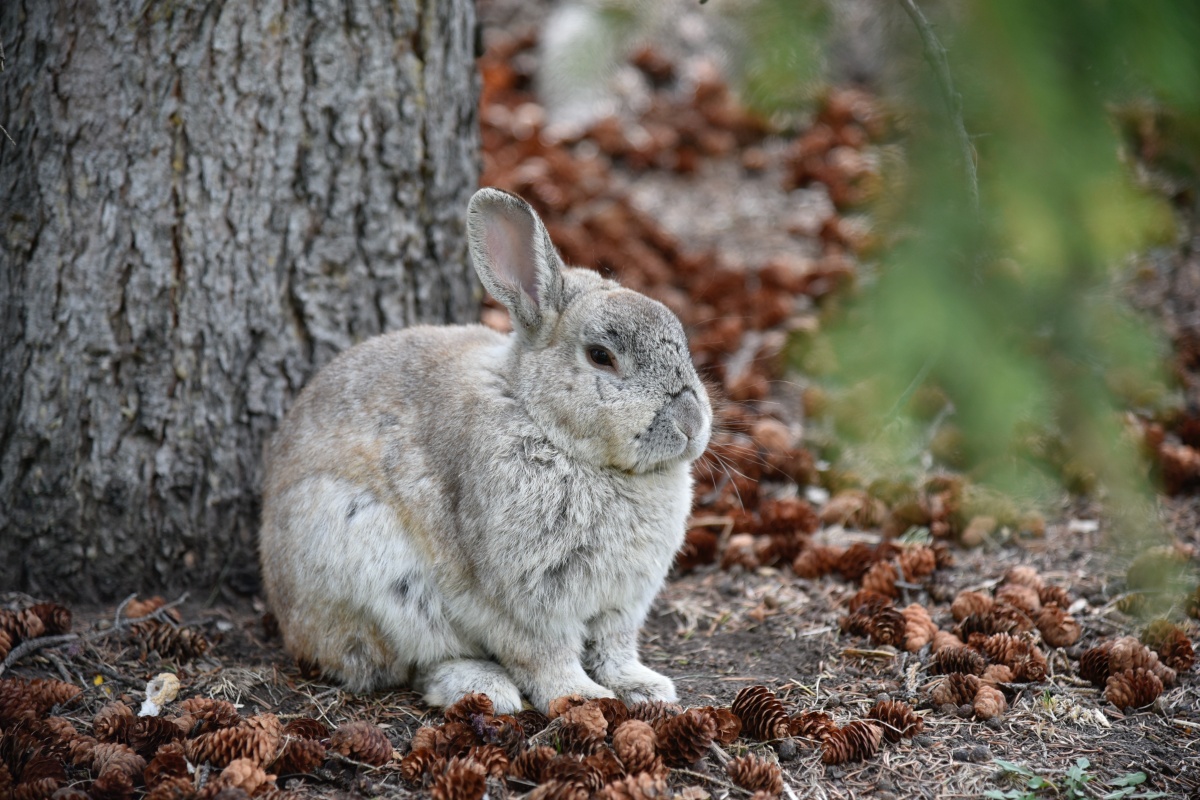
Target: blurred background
{"type": "Point", "coordinates": [948, 294]}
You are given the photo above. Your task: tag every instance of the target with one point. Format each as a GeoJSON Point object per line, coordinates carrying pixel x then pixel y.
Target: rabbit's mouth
{"type": "Point", "coordinates": [678, 433]}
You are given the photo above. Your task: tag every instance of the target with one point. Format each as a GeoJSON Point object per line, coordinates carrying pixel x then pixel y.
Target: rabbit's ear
{"type": "Point", "coordinates": [514, 257]}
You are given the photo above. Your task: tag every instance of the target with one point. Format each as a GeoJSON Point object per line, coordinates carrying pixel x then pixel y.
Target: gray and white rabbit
{"type": "Point", "coordinates": [464, 511]}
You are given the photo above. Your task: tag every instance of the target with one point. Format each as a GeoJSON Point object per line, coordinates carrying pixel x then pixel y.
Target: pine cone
{"type": "Point", "coordinates": [813, 725]}
{"type": "Point", "coordinates": [816, 561]}
{"type": "Point", "coordinates": [168, 764]}
{"type": "Point", "coordinates": [641, 786]}
{"type": "Point", "coordinates": [856, 560]}
{"type": "Point", "coordinates": [957, 659]}
{"type": "Point", "coordinates": [1023, 576]}
{"type": "Point", "coordinates": [421, 763]}
{"type": "Point", "coordinates": [223, 746]}
{"type": "Point", "coordinates": [42, 767]}
{"type": "Point", "coordinates": [22, 698]}
{"type": "Point", "coordinates": [919, 628]}
{"type": "Point", "coordinates": [468, 706]}
{"type": "Point", "coordinates": [855, 741]}
{"type": "Point", "coordinates": [7, 640]}
{"type": "Point", "coordinates": [79, 750]}
{"type": "Point", "coordinates": [306, 728]}
{"type": "Point", "coordinates": [71, 793]}
{"type": "Point", "coordinates": [532, 721]}
{"type": "Point", "coordinates": [150, 733]}
{"type": "Point", "coordinates": [211, 713]}
{"type": "Point", "coordinates": [637, 746]}
{"type": "Point", "coordinates": [299, 756]}
{"type": "Point", "coordinates": [917, 562]}
{"type": "Point", "coordinates": [559, 705]}
{"type": "Point", "coordinates": [462, 780]}
{"type": "Point", "coordinates": [1023, 597]}
{"type": "Point", "coordinates": [40, 789]}
{"type": "Point", "coordinates": [362, 741]}
{"type": "Point", "coordinates": [114, 722]}
{"type": "Point", "coordinates": [1129, 653]}
{"type": "Point", "coordinates": [945, 639]}
{"type": "Point", "coordinates": [606, 766]}
{"type": "Point", "coordinates": [1133, 688]}
{"type": "Point", "coordinates": [579, 737]}
{"type": "Point", "coordinates": [968, 604]}
{"type": "Point", "coordinates": [868, 601]}
{"type": "Point", "coordinates": [138, 608]}
{"type": "Point", "coordinates": [897, 719]}
{"type": "Point", "coordinates": [531, 764]}
{"type": "Point", "coordinates": [655, 711]}
{"type": "Point", "coordinates": [56, 619]}
{"type": "Point", "coordinates": [171, 789]}
{"type": "Point", "coordinates": [957, 689]}
{"type": "Point", "coordinates": [558, 790]}
{"type": "Point", "coordinates": [1054, 594]}
{"type": "Point", "coordinates": [615, 712]}
{"type": "Point", "coordinates": [1093, 664]}
{"type": "Point", "coordinates": [110, 756]}
{"type": "Point", "coordinates": [246, 775]}
{"type": "Point", "coordinates": [112, 785]}
{"type": "Point", "coordinates": [989, 702]}
{"type": "Point", "coordinates": [887, 627]}
{"type": "Point", "coordinates": [568, 768]}
{"type": "Point", "coordinates": [763, 716]}
{"type": "Point", "coordinates": [881, 578]}
{"type": "Point", "coordinates": [1171, 645]}
{"type": "Point", "coordinates": [1058, 628]}
{"type": "Point", "coordinates": [590, 717]}
{"type": "Point", "coordinates": [170, 642]}
{"type": "Point", "coordinates": [756, 774]}
{"type": "Point", "coordinates": [997, 673]}
{"type": "Point", "coordinates": [684, 740]}
{"type": "Point", "coordinates": [729, 725]}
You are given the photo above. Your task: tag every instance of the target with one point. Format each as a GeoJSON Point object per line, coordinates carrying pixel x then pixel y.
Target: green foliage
{"type": "Point", "coordinates": [1072, 786]}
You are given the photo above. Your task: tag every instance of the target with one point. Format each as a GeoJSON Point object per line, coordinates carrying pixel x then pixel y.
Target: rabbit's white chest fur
{"type": "Point", "coordinates": [472, 512]}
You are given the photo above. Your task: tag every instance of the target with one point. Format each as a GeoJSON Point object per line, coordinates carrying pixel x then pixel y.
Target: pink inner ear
{"type": "Point", "coordinates": [509, 246]}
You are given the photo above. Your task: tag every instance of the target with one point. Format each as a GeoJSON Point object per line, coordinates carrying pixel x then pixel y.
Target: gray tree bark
{"type": "Point", "coordinates": [207, 200]}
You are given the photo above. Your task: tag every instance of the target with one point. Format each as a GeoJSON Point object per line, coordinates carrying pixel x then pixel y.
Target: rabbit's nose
{"type": "Point", "coordinates": [687, 414]}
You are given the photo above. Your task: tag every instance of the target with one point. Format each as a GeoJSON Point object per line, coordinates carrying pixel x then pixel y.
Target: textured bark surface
{"type": "Point", "coordinates": [206, 202]}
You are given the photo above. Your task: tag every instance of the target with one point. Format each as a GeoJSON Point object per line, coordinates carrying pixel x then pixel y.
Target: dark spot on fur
{"type": "Point", "coordinates": [401, 588]}
{"type": "Point", "coordinates": [353, 509]}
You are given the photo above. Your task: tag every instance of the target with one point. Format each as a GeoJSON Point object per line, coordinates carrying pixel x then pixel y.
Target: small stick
{"type": "Point", "coordinates": [935, 54]}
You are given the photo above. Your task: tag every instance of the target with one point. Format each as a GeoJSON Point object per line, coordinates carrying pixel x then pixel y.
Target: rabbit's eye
{"type": "Point", "coordinates": [602, 357]}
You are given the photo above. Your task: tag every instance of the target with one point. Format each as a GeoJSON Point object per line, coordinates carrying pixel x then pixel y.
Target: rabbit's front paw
{"type": "Point", "coordinates": [637, 683]}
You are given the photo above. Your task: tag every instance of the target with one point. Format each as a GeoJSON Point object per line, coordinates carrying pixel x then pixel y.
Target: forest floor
{"type": "Point", "coordinates": [749, 231]}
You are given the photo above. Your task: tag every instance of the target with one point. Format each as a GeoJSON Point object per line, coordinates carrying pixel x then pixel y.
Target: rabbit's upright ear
{"type": "Point", "coordinates": [514, 257]}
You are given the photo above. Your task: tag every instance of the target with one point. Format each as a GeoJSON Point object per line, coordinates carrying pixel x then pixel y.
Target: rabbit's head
{"type": "Point", "coordinates": [604, 371]}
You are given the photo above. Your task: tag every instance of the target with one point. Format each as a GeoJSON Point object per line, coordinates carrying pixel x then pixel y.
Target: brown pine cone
{"type": "Point", "coordinates": [1054, 594]}
{"type": "Point", "coordinates": [532, 721]}
{"type": "Point", "coordinates": [887, 626]}
{"type": "Point", "coordinates": [211, 713]}
{"type": "Point", "coordinates": [22, 698]}
{"type": "Point", "coordinates": [654, 711]}
{"type": "Point", "coordinates": [917, 562]}
{"type": "Point", "coordinates": [504, 731]}
{"type": "Point", "coordinates": [1058, 628]}
{"type": "Point", "coordinates": [79, 750]}
{"type": "Point", "coordinates": [1133, 688]}
{"type": "Point", "coordinates": [306, 728]}
{"type": "Point", "coordinates": [684, 740]}
{"type": "Point", "coordinates": [150, 733]}
{"type": "Point", "coordinates": [559, 705]}
{"type": "Point", "coordinates": [968, 604]}
{"type": "Point", "coordinates": [944, 639]}
{"type": "Point", "coordinates": [56, 619]}
{"type": "Point", "coordinates": [989, 702]}
{"type": "Point", "coordinates": [7, 640]}
{"type": "Point", "coordinates": [568, 768]}
{"type": "Point", "coordinates": [41, 767]}
{"type": "Point", "coordinates": [741, 550]}
{"type": "Point", "coordinates": [467, 706]}
{"type": "Point", "coordinates": [114, 722]}
{"type": "Point", "coordinates": [606, 766]}
{"type": "Point", "coordinates": [858, 623]}
{"type": "Point", "coordinates": [615, 712]}
{"type": "Point", "coordinates": [138, 608]}
{"type": "Point", "coordinates": [109, 756]}
{"type": "Point", "coordinates": [171, 789]}
{"type": "Point", "coordinates": [531, 764]}
{"type": "Point", "coordinates": [1093, 664]}
{"type": "Point", "coordinates": [813, 725]}
{"type": "Point", "coordinates": [996, 673]}
{"type": "Point", "coordinates": [1028, 662]}
{"type": "Point", "coordinates": [40, 789]}
{"type": "Point", "coordinates": [461, 780]}
{"type": "Point", "coordinates": [29, 625]}
{"type": "Point", "coordinates": [362, 741]}
{"type": "Point", "coordinates": [816, 561]}
{"type": "Point", "coordinates": [755, 774]}
{"type": "Point", "coordinates": [957, 659]}
{"type": "Point", "coordinates": [55, 735]}
{"type": "Point", "coordinates": [168, 764]}
{"type": "Point", "coordinates": [170, 642]}
{"type": "Point", "coordinates": [854, 741]}
{"type": "Point", "coordinates": [955, 689]}
{"type": "Point", "coordinates": [856, 560]}
{"type": "Point", "coordinates": [1171, 644]}
{"type": "Point", "coordinates": [454, 739]}
{"type": "Point", "coordinates": [112, 785]}
{"type": "Point", "coordinates": [637, 746]}
{"type": "Point", "coordinates": [868, 601]}
{"type": "Point", "coordinates": [919, 628]}
{"type": "Point", "coordinates": [1018, 596]}
{"type": "Point", "coordinates": [590, 716]}
{"type": "Point", "coordinates": [223, 746]}
{"type": "Point", "coordinates": [579, 738]}
{"type": "Point", "coordinates": [729, 725]}
{"type": "Point", "coordinates": [763, 716]}
{"type": "Point", "coordinates": [493, 759]}
{"type": "Point", "coordinates": [420, 764]}
{"type": "Point", "coordinates": [640, 786]}
{"type": "Point", "coordinates": [246, 775]}
{"type": "Point", "coordinates": [881, 578]}
{"type": "Point", "coordinates": [558, 790]}
{"type": "Point", "coordinates": [1024, 576]}
{"type": "Point", "coordinates": [897, 719]}
{"type": "Point", "coordinates": [299, 756]}
{"type": "Point", "coordinates": [1129, 653]}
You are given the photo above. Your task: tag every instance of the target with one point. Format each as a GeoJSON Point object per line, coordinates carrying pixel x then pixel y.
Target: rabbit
{"type": "Point", "coordinates": [459, 510]}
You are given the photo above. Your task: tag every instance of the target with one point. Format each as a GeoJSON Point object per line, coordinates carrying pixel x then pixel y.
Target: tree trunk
{"type": "Point", "coordinates": [207, 200]}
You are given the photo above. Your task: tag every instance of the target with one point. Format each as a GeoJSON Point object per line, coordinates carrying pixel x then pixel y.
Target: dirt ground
{"type": "Point", "coordinates": [674, 211]}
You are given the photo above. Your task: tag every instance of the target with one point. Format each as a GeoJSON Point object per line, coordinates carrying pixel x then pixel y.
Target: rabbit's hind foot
{"type": "Point", "coordinates": [448, 681]}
